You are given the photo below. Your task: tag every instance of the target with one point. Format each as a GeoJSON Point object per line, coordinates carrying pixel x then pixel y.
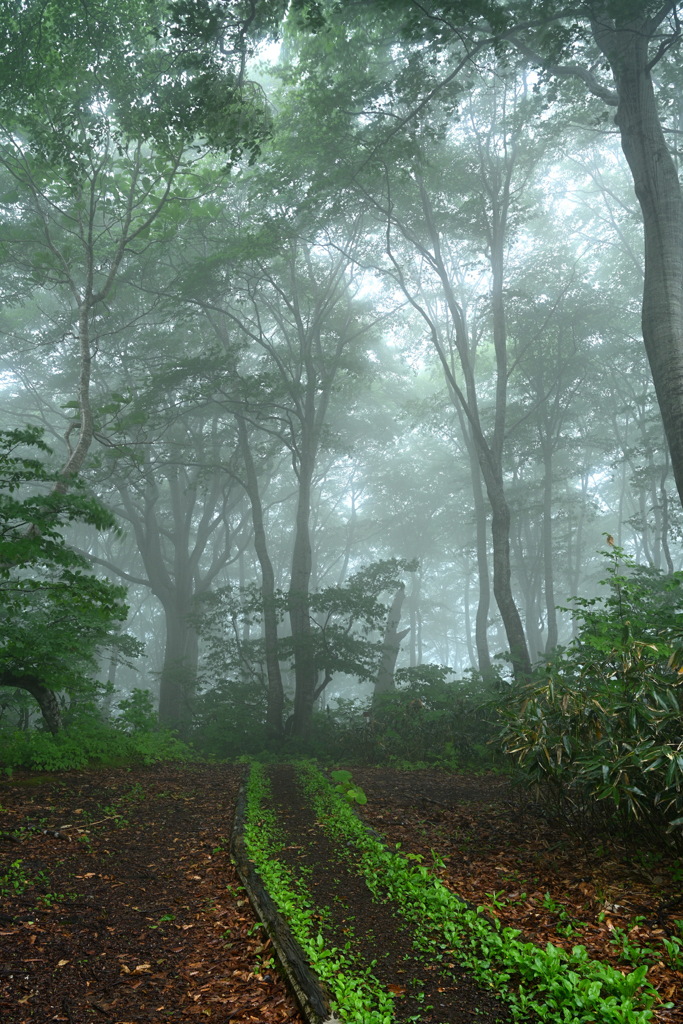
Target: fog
{"type": "Point", "coordinates": [329, 330]}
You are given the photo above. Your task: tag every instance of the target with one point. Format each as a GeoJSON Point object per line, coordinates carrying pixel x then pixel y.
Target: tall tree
{"type": "Point", "coordinates": [99, 105]}
{"type": "Point", "coordinates": [613, 48]}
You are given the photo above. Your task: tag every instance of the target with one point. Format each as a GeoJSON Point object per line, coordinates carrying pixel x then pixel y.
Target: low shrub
{"type": "Point", "coordinates": [86, 743]}
{"type": "Point", "coordinates": [431, 718]}
{"type": "Point", "coordinates": [599, 728]}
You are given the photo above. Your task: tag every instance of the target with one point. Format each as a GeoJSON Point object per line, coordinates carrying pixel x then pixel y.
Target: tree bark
{"type": "Point", "coordinates": [489, 451]}
{"type": "Point", "coordinates": [502, 584]}
{"type": "Point", "coordinates": [384, 682]}
{"type": "Point", "coordinates": [179, 669]}
{"type": "Point", "coordinates": [305, 672]}
{"type": "Point", "coordinates": [275, 705]}
{"type": "Point", "coordinates": [46, 698]}
{"type": "Point", "coordinates": [626, 47]}
{"type": "Point", "coordinates": [548, 568]}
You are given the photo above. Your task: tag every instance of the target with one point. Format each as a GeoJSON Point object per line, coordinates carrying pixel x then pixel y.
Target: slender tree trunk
{"type": "Point", "coordinates": [502, 583]}
{"type": "Point", "coordinates": [467, 615]}
{"type": "Point", "coordinates": [86, 426]}
{"type": "Point", "coordinates": [666, 523]}
{"type": "Point", "coordinates": [274, 710]}
{"type": "Point", "coordinates": [489, 453]}
{"type": "Point", "coordinates": [414, 612]}
{"type": "Point", "coordinates": [548, 566]}
{"type": "Point", "coordinates": [481, 627]}
{"type": "Point", "coordinates": [305, 672]}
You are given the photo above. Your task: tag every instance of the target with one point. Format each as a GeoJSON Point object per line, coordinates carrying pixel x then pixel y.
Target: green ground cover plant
{"type": "Point", "coordinates": [357, 994]}
{"type": "Point", "coordinates": [555, 985]}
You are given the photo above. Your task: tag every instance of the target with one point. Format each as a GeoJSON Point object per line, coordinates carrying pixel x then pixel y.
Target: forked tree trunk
{"type": "Point", "coordinates": [390, 646]}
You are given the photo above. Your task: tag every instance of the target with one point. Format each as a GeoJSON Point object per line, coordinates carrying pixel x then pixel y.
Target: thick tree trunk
{"type": "Point", "coordinates": [179, 670]}
{"type": "Point", "coordinates": [626, 46]}
{"type": "Point", "coordinates": [384, 682]}
{"type": "Point", "coordinates": [275, 705]}
{"type": "Point", "coordinates": [46, 698]}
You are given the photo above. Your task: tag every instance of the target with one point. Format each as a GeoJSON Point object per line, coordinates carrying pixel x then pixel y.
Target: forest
{"type": "Point", "coordinates": [341, 418]}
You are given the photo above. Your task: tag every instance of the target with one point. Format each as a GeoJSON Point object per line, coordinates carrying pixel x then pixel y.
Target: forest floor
{"type": "Point", "coordinates": [119, 903]}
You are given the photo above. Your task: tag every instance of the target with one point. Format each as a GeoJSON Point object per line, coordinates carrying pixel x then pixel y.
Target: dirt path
{"type": "Point", "coordinates": [122, 905]}
{"type": "Point", "coordinates": [118, 902]}
{"type": "Point", "coordinates": [376, 932]}
{"type": "Point", "coordinates": [499, 851]}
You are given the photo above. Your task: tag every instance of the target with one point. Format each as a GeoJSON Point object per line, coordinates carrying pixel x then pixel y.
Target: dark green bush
{"type": "Point", "coordinates": [89, 742]}
{"type": "Point", "coordinates": [600, 727]}
{"type": "Point", "coordinates": [431, 718]}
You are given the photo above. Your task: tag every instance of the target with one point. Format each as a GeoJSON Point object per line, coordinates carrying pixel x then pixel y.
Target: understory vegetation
{"type": "Point", "coordinates": [552, 983]}
{"type": "Point", "coordinates": [596, 732]}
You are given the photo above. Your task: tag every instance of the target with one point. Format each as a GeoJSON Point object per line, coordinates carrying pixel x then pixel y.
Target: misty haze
{"type": "Point", "coordinates": [341, 482]}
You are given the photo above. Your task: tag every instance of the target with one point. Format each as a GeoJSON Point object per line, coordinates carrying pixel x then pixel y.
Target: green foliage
{"type": "Point", "coordinates": [124, 68]}
{"type": "Point", "coordinates": [356, 992]}
{"type": "Point", "coordinates": [550, 984]}
{"type": "Point", "coordinates": [344, 619]}
{"type": "Point", "coordinates": [56, 614]}
{"type": "Point", "coordinates": [229, 718]}
{"type": "Point", "coordinates": [89, 742]}
{"type": "Point", "coordinates": [599, 728]}
{"type": "Point", "coordinates": [345, 786]}
{"type": "Point", "coordinates": [137, 713]}
{"type": "Point", "coordinates": [14, 881]}
{"type": "Point", "coordinates": [230, 712]}
{"type": "Point", "coordinates": [431, 718]}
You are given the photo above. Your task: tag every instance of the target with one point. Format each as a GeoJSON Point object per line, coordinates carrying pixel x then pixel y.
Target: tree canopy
{"type": "Point", "coordinates": [290, 290]}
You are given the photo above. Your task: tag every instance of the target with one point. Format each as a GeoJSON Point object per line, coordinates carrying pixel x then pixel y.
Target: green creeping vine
{"type": "Point", "coordinates": [558, 986]}
{"type": "Point", "coordinates": [357, 994]}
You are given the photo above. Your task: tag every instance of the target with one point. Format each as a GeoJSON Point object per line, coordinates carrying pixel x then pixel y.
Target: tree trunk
{"type": "Point", "coordinates": [179, 670]}
{"type": "Point", "coordinates": [489, 453]}
{"type": "Point", "coordinates": [548, 570]}
{"type": "Point", "coordinates": [46, 698]}
{"type": "Point", "coordinates": [626, 46]}
{"type": "Point", "coordinates": [481, 627]}
{"type": "Point", "coordinates": [502, 585]}
{"type": "Point", "coordinates": [275, 705]}
{"type": "Point", "coordinates": [390, 646]}
{"type": "Point", "coordinates": [86, 427]}
{"type": "Point", "coordinates": [415, 617]}
{"type": "Point", "coordinates": [305, 672]}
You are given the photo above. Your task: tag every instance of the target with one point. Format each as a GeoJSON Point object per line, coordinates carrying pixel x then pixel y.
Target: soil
{"type": "Point", "coordinates": [131, 911]}
{"type": "Point", "coordinates": [498, 849]}
{"type": "Point", "coordinates": [119, 904]}
{"type": "Point", "coordinates": [377, 934]}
